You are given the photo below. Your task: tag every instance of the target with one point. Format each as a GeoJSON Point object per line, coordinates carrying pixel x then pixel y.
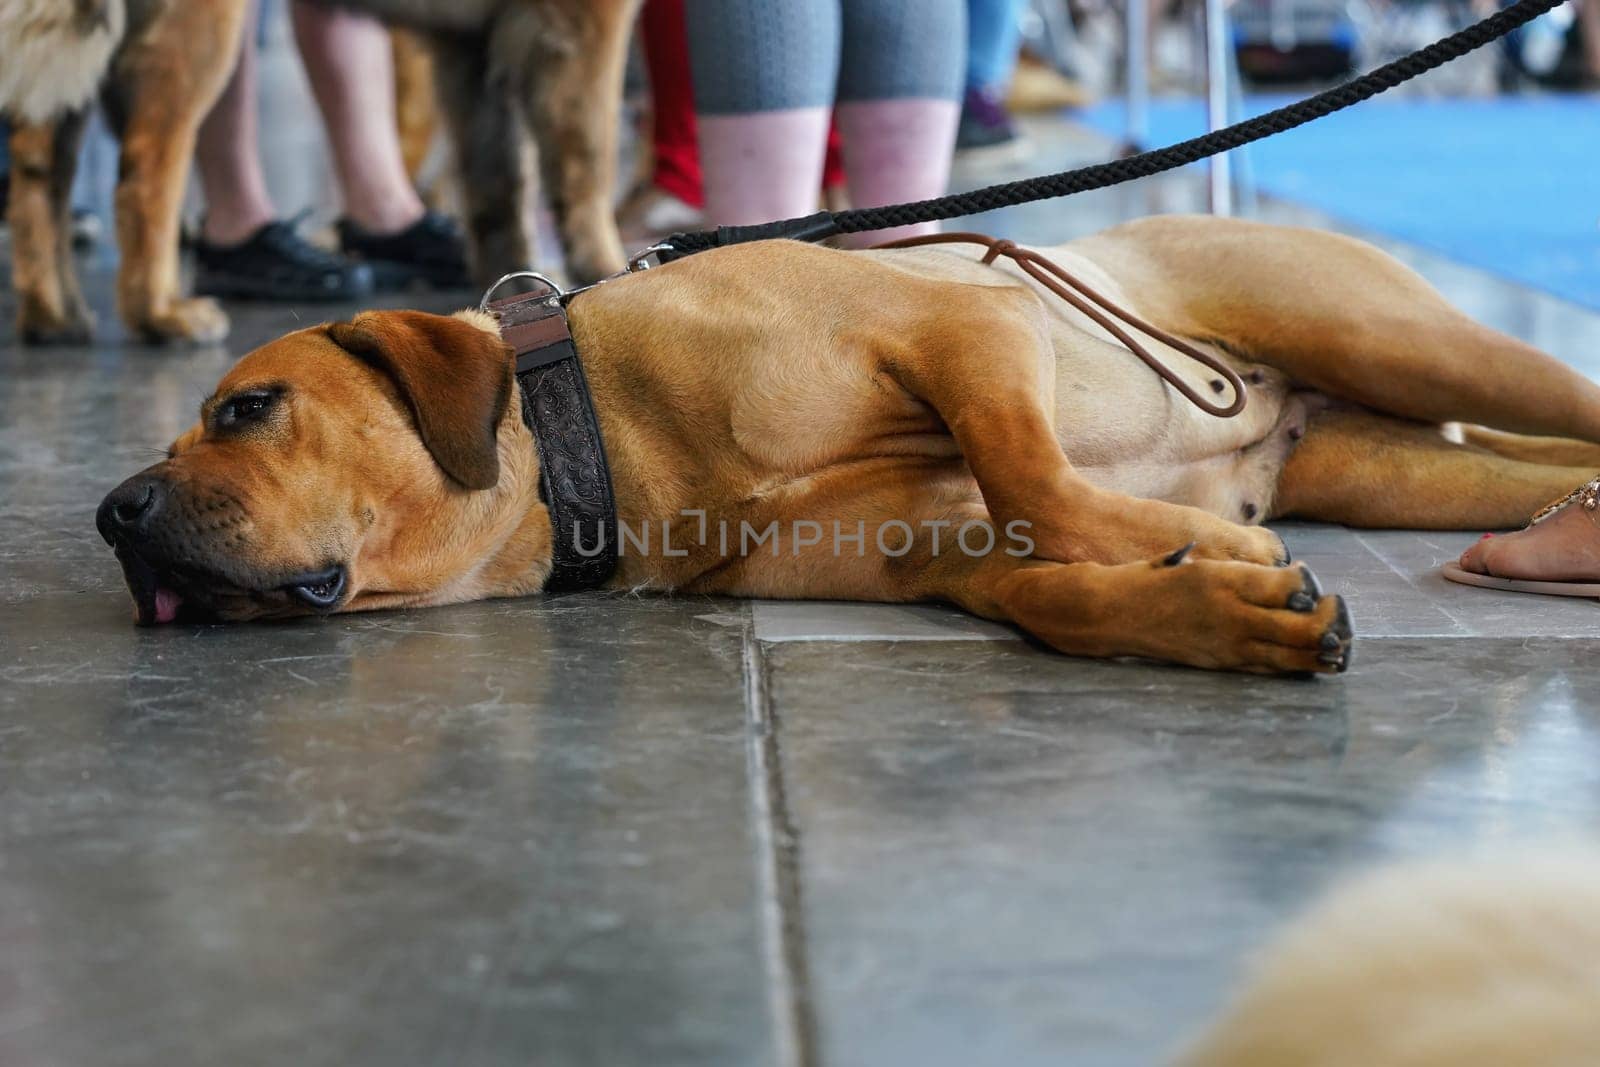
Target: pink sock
{"type": "Point", "coordinates": [762, 166]}
{"type": "Point", "coordinates": [894, 151]}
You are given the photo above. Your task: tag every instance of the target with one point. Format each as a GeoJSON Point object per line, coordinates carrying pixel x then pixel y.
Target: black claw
{"type": "Point", "coordinates": [1342, 625]}
{"type": "Point", "coordinates": [1343, 629]}
{"type": "Point", "coordinates": [1308, 583]}
{"type": "Point", "coordinates": [1330, 641]}
{"type": "Point", "coordinates": [1302, 603]}
{"type": "Point", "coordinates": [1177, 557]}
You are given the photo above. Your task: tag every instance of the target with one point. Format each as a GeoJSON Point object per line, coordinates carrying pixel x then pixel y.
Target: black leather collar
{"type": "Point", "coordinates": [574, 478]}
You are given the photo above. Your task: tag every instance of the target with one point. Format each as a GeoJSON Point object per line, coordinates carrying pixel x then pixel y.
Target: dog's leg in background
{"type": "Point", "coordinates": [44, 157]}
{"type": "Point", "coordinates": [572, 58]}
{"type": "Point", "coordinates": [415, 101]}
{"type": "Point", "coordinates": [1340, 315]}
{"type": "Point", "coordinates": [486, 136]}
{"type": "Point", "coordinates": [161, 86]}
{"type": "Point", "coordinates": [1364, 469]}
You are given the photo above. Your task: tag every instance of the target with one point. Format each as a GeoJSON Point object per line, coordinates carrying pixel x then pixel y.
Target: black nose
{"type": "Point", "coordinates": [127, 510]}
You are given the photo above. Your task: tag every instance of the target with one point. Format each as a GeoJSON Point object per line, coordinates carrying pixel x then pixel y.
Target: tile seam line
{"type": "Point", "coordinates": [777, 848]}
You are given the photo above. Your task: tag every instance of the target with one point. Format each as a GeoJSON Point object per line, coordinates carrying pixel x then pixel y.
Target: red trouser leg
{"type": "Point", "coordinates": [666, 51]}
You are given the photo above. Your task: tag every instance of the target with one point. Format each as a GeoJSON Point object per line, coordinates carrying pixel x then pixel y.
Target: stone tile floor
{"type": "Point", "coordinates": [618, 830]}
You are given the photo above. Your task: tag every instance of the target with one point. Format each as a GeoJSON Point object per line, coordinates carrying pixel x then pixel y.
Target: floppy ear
{"type": "Point", "coordinates": [455, 377]}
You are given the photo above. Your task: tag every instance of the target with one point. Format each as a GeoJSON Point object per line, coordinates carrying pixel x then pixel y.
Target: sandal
{"type": "Point", "coordinates": [1588, 495]}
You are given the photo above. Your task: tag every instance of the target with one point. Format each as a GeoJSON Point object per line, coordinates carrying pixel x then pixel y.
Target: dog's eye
{"type": "Point", "coordinates": [243, 409]}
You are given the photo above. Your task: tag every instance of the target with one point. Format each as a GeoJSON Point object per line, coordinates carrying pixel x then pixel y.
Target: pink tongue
{"type": "Point", "coordinates": [167, 604]}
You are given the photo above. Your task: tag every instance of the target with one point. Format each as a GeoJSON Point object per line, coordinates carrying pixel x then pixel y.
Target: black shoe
{"type": "Point", "coordinates": [275, 263]}
{"type": "Point", "coordinates": [430, 252]}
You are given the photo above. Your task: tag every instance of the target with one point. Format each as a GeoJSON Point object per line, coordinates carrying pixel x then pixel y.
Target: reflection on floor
{"type": "Point", "coordinates": [621, 830]}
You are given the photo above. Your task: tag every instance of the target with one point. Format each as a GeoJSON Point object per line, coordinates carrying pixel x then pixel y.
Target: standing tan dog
{"type": "Point", "coordinates": [1487, 961]}
{"type": "Point", "coordinates": [382, 463]}
{"type": "Point", "coordinates": [557, 62]}
{"type": "Point", "coordinates": [161, 64]}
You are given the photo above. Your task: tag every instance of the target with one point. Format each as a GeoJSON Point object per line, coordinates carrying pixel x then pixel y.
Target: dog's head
{"type": "Point", "coordinates": [362, 464]}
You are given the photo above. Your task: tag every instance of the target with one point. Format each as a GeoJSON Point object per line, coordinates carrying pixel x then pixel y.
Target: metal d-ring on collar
{"type": "Point", "coordinates": [574, 477]}
{"type": "Point", "coordinates": [554, 299]}
{"type": "Point", "coordinates": [558, 296]}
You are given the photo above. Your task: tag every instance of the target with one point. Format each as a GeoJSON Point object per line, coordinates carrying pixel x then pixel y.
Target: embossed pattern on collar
{"type": "Point", "coordinates": [574, 477]}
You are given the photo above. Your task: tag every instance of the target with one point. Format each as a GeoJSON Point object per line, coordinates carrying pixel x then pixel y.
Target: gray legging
{"type": "Point", "coordinates": [772, 55]}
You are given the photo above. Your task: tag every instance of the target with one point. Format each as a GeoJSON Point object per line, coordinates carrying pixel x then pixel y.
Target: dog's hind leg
{"type": "Point", "coordinates": [480, 110]}
{"type": "Point", "coordinates": [1341, 316]}
{"type": "Point", "coordinates": [1550, 451]}
{"type": "Point", "coordinates": [44, 157]}
{"type": "Point", "coordinates": [571, 60]}
{"type": "Point", "coordinates": [162, 84]}
{"type": "Point", "coordinates": [1364, 469]}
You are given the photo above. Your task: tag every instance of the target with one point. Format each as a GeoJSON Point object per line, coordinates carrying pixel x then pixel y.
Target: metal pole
{"type": "Point", "coordinates": [1244, 174]}
{"type": "Point", "coordinates": [1137, 73]}
{"type": "Point", "coordinates": [1217, 67]}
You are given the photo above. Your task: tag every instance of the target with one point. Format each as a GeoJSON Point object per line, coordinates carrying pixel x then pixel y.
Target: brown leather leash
{"type": "Point", "coordinates": [1100, 309]}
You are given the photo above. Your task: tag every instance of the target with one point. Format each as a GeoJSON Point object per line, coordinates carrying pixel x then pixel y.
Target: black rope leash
{"type": "Point", "coordinates": [826, 224]}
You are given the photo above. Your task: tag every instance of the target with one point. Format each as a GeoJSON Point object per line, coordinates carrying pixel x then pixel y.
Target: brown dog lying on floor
{"type": "Point", "coordinates": [903, 393]}
{"type": "Point", "coordinates": [555, 65]}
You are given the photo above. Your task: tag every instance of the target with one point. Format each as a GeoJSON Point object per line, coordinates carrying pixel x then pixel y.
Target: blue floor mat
{"type": "Point", "coordinates": [1509, 185]}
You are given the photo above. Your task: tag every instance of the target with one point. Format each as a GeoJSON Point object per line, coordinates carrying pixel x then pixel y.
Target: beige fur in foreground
{"type": "Point", "coordinates": [1482, 963]}
{"type": "Point", "coordinates": [53, 53]}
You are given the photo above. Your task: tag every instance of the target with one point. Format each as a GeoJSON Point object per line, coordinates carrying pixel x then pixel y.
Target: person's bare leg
{"type": "Point", "coordinates": [350, 65]}
{"type": "Point", "coordinates": [896, 151]}
{"type": "Point", "coordinates": [898, 120]}
{"type": "Point", "coordinates": [762, 112]}
{"type": "Point", "coordinates": [762, 166]}
{"type": "Point", "coordinates": [1589, 19]}
{"type": "Point", "coordinates": [228, 157]}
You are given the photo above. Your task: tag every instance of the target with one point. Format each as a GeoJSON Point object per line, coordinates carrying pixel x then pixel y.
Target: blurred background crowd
{"type": "Point", "coordinates": [743, 112]}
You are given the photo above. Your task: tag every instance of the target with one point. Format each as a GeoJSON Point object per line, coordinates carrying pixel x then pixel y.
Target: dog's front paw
{"type": "Point", "coordinates": [1264, 621]}
{"type": "Point", "coordinates": [198, 320]}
